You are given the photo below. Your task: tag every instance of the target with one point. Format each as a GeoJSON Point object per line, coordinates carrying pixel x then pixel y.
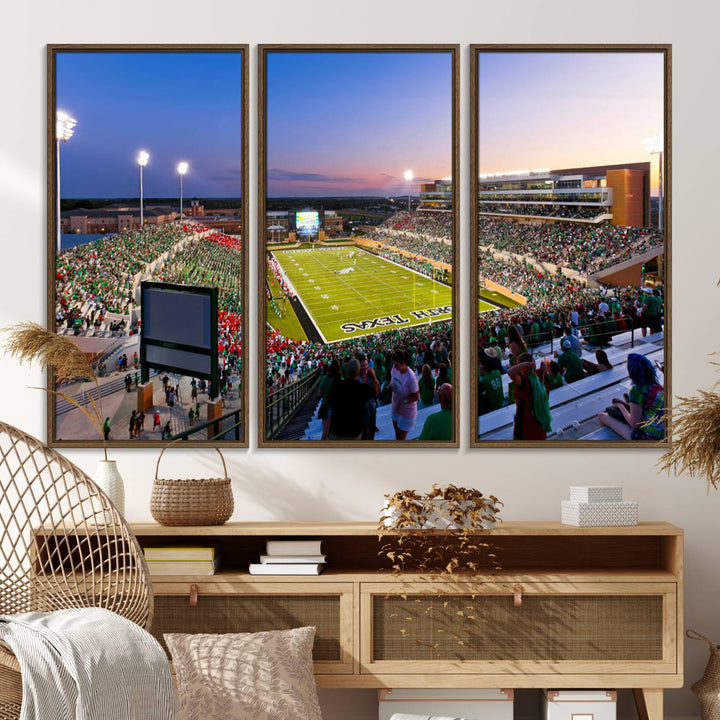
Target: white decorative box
{"type": "Point", "coordinates": [596, 493]}
{"type": "Point", "coordinates": [579, 705]}
{"type": "Point", "coordinates": [476, 704]}
{"type": "Point", "coordinates": [597, 514]}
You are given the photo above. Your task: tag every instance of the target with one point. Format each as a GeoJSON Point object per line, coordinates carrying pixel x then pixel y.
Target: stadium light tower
{"type": "Point", "coordinates": [654, 146]}
{"type": "Point", "coordinates": [142, 161]}
{"type": "Point", "coordinates": [64, 130]}
{"type": "Point", "coordinates": [182, 168]}
{"type": "Point", "coordinates": [408, 174]}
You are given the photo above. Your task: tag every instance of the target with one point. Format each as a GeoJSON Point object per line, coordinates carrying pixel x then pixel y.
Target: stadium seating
{"type": "Point", "coordinates": [578, 403]}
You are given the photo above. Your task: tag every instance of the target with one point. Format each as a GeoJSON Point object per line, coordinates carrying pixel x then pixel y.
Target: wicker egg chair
{"type": "Point", "coordinates": [62, 545]}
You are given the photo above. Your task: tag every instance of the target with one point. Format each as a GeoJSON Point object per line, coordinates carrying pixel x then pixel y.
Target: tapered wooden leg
{"type": "Point", "coordinates": [649, 703]}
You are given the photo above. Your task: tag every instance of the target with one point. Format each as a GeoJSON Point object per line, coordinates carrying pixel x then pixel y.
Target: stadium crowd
{"type": "Point", "coordinates": [214, 260]}
{"type": "Point", "coordinates": [433, 224]}
{"type": "Point", "coordinates": [558, 307]}
{"type": "Point", "coordinates": [591, 313]}
{"type": "Point", "coordinates": [97, 278]}
{"type": "Point", "coordinates": [290, 360]}
{"type": "Point", "coordinates": [584, 248]}
{"type": "Point", "coordinates": [578, 316]}
{"type": "Point", "coordinates": [419, 245]}
{"type": "Point", "coordinates": [568, 212]}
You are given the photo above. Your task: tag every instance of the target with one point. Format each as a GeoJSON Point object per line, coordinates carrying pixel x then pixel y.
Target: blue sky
{"type": "Point", "coordinates": [568, 109]}
{"type": "Point", "coordinates": [175, 105]}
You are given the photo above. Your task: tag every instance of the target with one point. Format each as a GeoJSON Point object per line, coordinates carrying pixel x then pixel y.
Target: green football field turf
{"type": "Point", "coordinates": [349, 292]}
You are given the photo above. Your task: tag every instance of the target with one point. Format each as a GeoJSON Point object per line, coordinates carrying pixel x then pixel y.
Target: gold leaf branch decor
{"type": "Point", "coordinates": [695, 447]}
{"type": "Point", "coordinates": [441, 532]}
{"type": "Point", "coordinates": [32, 343]}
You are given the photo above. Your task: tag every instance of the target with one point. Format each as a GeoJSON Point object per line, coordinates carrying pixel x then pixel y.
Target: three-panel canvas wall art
{"type": "Point", "coordinates": [564, 334]}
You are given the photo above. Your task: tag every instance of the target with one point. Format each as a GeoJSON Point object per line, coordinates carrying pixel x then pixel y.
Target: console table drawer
{"type": "Point", "coordinates": [583, 627]}
{"type": "Point", "coordinates": [227, 607]}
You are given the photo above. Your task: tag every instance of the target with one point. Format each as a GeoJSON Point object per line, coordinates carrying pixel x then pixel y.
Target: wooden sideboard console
{"type": "Point", "coordinates": [571, 608]}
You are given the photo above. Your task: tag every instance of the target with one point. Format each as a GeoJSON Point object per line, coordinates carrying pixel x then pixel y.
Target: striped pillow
{"type": "Point", "coordinates": [246, 676]}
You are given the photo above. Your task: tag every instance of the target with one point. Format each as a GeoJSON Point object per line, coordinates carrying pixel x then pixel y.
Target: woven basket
{"type": "Point", "coordinates": [707, 689]}
{"type": "Point", "coordinates": [207, 501]}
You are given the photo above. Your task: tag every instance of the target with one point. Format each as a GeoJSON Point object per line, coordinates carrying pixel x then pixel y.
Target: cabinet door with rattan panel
{"type": "Point", "coordinates": [573, 631]}
{"type": "Point", "coordinates": [236, 607]}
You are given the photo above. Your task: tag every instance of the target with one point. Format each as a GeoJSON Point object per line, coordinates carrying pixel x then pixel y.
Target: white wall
{"type": "Point", "coordinates": [348, 485]}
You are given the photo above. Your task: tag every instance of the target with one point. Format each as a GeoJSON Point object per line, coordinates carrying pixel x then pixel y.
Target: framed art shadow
{"type": "Point", "coordinates": [358, 208]}
{"type": "Point", "coordinates": [147, 241]}
{"type": "Point", "coordinates": [570, 245]}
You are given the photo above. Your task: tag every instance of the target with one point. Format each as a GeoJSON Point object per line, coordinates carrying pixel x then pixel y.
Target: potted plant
{"type": "Point", "coordinates": [443, 531]}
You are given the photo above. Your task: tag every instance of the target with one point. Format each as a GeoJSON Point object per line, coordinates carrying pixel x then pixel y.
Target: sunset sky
{"type": "Point", "coordinates": [562, 109]}
{"type": "Point", "coordinates": [351, 123]}
{"type": "Point", "coordinates": [175, 105]}
{"type": "Point", "coordinates": [345, 123]}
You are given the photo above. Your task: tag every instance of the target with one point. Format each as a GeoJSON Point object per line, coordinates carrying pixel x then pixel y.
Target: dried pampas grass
{"type": "Point", "coordinates": [695, 447]}
{"type": "Point", "coordinates": [32, 343]}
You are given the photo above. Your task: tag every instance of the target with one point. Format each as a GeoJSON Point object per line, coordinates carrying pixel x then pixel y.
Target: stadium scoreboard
{"type": "Point", "coordinates": [307, 222]}
{"type": "Point", "coordinates": [179, 331]}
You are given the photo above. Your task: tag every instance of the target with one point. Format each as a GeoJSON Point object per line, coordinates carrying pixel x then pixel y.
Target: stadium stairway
{"type": "Point", "coordinates": [297, 426]}
{"type": "Point", "coordinates": [123, 345]}
{"type": "Point", "coordinates": [575, 406]}
{"type": "Point", "coordinates": [107, 387]}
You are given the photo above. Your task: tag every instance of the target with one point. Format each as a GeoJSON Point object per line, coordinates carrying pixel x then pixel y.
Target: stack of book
{"type": "Point", "coordinates": [290, 557]}
{"type": "Point", "coordinates": [177, 560]}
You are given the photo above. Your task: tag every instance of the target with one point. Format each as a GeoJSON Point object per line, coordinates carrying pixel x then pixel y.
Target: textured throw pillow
{"type": "Point", "coordinates": [246, 676]}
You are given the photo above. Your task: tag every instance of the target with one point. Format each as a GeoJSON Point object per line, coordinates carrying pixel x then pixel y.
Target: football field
{"type": "Point", "coordinates": [350, 293]}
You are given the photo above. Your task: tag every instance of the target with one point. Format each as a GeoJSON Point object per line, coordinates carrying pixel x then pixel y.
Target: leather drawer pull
{"type": "Point", "coordinates": [517, 593]}
{"type": "Point", "coordinates": [193, 595]}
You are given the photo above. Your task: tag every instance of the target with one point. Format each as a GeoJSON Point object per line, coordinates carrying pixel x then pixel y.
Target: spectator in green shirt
{"type": "Point", "coordinates": [534, 333]}
{"type": "Point", "coordinates": [490, 389]}
{"type": "Point", "coordinates": [651, 312]}
{"type": "Point", "coordinates": [333, 374]}
{"type": "Point", "coordinates": [443, 376]}
{"type": "Point", "coordinates": [439, 425]}
{"type": "Point", "coordinates": [570, 364]}
{"type": "Point", "coordinates": [426, 386]}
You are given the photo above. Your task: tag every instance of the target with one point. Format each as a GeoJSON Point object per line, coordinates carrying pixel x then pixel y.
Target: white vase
{"type": "Point", "coordinates": [109, 480]}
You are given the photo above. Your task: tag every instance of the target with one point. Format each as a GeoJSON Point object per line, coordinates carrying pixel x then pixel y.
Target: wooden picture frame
{"type": "Point", "coordinates": [517, 218]}
{"type": "Point", "coordinates": [179, 104]}
{"type": "Point", "coordinates": [308, 84]}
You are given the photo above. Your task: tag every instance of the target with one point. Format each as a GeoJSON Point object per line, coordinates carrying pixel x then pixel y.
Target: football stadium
{"type": "Point", "coordinates": [579, 246]}
{"type": "Point", "coordinates": [334, 294]}
{"type": "Point", "coordinates": [569, 252]}
{"type": "Point", "coordinates": [348, 292]}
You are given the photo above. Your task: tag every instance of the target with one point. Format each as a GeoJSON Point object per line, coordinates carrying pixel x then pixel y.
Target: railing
{"type": "Point", "coordinates": [604, 331]}
{"type": "Point", "coordinates": [218, 432]}
{"type": "Point", "coordinates": [282, 404]}
{"type": "Point", "coordinates": [82, 397]}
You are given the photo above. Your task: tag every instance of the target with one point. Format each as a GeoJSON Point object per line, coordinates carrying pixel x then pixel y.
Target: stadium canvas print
{"type": "Point", "coordinates": [570, 245]}
{"type": "Point", "coordinates": [358, 227]}
{"type": "Point", "coordinates": [147, 252]}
